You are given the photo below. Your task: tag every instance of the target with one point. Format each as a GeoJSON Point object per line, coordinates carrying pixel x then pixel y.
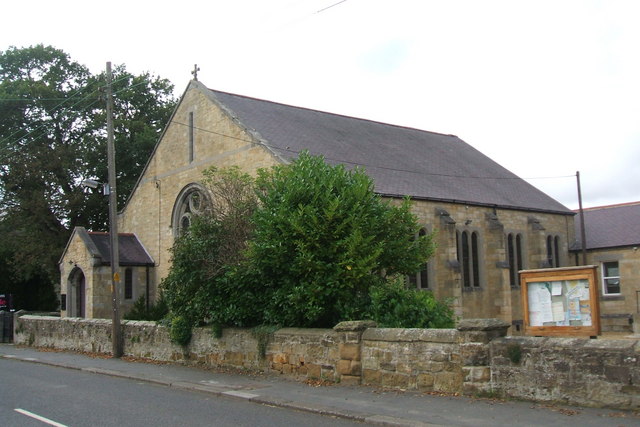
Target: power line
{"type": "Point", "coordinates": [329, 7]}
{"type": "Point", "coordinates": [74, 97]}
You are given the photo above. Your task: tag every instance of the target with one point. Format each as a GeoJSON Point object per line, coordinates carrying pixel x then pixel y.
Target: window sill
{"type": "Point", "coordinates": [471, 289]}
{"type": "Point", "coordinates": [612, 298]}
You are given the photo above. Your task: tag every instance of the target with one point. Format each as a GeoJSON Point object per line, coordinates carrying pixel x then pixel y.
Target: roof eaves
{"type": "Point", "coordinates": [488, 205]}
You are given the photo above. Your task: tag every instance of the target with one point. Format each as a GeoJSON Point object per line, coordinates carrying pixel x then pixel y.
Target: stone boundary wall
{"type": "Point", "coordinates": [474, 358]}
{"type": "Point", "coordinates": [570, 370]}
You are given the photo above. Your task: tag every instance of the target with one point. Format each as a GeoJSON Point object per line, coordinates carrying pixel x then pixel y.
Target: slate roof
{"type": "Point", "coordinates": [610, 226]}
{"type": "Point", "coordinates": [132, 252]}
{"type": "Point", "coordinates": [401, 160]}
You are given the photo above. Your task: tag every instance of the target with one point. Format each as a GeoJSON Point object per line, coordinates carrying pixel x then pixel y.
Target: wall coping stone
{"type": "Point", "coordinates": [303, 331]}
{"type": "Point", "coordinates": [483, 325]}
{"type": "Point", "coordinates": [573, 343]}
{"type": "Point", "coordinates": [411, 335]}
{"type": "Point", "coordinates": [39, 317]}
{"type": "Point", "coordinates": [354, 325]}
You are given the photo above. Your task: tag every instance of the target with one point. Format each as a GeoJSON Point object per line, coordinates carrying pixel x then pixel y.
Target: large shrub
{"type": "Point", "coordinates": [393, 305]}
{"type": "Point", "coordinates": [322, 238]}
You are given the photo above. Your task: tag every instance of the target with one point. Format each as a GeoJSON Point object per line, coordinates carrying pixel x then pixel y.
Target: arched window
{"type": "Point", "coordinates": [553, 251]}
{"type": "Point", "coordinates": [514, 257]}
{"type": "Point", "coordinates": [193, 200]}
{"type": "Point", "coordinates": [469, 258]}
{"type": "Point", "coordinates": [420, 280]}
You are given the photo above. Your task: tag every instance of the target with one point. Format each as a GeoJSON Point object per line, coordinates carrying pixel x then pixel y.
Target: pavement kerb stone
{"type": "Point", "coordinates": [263, 400]}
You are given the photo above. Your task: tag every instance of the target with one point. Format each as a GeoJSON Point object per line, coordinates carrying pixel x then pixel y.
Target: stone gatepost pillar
{"type": "Point", "coordinates": [349, 365]}
{"type": "Point", "coordinates": [475, 336]}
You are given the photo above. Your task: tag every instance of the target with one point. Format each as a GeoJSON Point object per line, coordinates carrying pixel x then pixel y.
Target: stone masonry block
{"type": "Point", "coordinates": [474, 354]}
{"type": "Point", "coordinates": [348, 367]}
{"type": "Point", "coordinates": [349, 351]}
{"type": "Point", "coordinates": [424, 381]}
{"type": "Point", "coordinates": [448, 382]}
{"type": "Point", "coordinates": [280, 358]}
{"type": "Point", "coordinates": [394, 380]}
{"type": "Point", "coordinates": [476, 373]}
{"type": "Point", "coordinates": [313, 370]}
{"type": "Point", "coordinates": [350, 380]}
{"type": "Point", "coordinates": [618, 374]}
{"type": "Point", "coordinates": [371, 376]}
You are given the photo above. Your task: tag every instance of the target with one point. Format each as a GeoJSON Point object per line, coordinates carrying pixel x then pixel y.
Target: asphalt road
{"type": "Point", "coordinates": [75, 398]}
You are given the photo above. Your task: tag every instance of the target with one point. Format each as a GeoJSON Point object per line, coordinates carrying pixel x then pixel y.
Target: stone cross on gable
{"type": "Point", "coordinates": [195, 71]}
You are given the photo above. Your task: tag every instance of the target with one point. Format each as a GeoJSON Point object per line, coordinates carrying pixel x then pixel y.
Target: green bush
{"type": "Point", "coordinates": [393, 305]}
{"type": "Point", "coordinates": [322, 238]}
{"type": "Point", "coordinates": [156, 311]}
{"type": "Point", "coordinates": [180, 332]}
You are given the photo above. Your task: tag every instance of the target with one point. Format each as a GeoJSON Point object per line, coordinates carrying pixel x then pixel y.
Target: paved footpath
{"type": "Point", "coordinates": [366, 404]}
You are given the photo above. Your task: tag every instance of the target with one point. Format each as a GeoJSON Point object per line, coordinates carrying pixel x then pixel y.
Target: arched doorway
{"type": "Point", "coordinates": [76, 295]}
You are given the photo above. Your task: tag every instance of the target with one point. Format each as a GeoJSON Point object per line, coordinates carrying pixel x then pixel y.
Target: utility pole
{"type": "Point", "coordinates": [116, 333]}
{"type": "Point", "coordinates": [583, 234]}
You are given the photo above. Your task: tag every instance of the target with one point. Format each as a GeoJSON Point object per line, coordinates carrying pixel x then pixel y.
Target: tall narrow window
{"type": "Point", "coordinates": [519, 258]}
{"type": "Point", "coordinates": [553, 251]}
{"type": "Point", "coordinates": [475, 265]}
{"type": "Point", "coordinates": [610, 278]}
{"type": "Point", "coordinates": [514, 257]}
{"type": "Point", "coordinates": [420, 280]}
{"type": "Point", "coordinates": [466, 260]}
{"type": "Point", "coordinates": [128, 284]}
{"type": "Point", "coordinates": [469, 258]}
{"type": "Point", "coordinates": [191, 147]}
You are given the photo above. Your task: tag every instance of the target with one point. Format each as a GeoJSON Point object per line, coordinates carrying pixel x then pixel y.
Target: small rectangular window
{"type": "Point", "coordinates": [128, 284]}
{"type": "Point", "coordinates": [610, 278]}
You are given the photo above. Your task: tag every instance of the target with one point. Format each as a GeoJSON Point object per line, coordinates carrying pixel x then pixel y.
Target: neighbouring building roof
{"type": "Point", "coordinates": [132, 252]}
{"type": "Point", "coordinates": [402, 161]}
{"type": "Point", "coordinates": [610, 226]}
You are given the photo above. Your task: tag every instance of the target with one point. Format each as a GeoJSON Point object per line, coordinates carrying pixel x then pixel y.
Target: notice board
{"type": "Point", "coordinates": [560, 301]}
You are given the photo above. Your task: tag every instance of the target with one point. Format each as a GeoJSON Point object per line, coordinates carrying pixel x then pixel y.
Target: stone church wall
{"type": "Point", "coordinates": [494, 297]}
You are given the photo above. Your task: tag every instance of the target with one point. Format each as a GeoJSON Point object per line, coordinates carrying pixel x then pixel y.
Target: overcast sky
{"type": "Point", "coordinates": [545, 88]}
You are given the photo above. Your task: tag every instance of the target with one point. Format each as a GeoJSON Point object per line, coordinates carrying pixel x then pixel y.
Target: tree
{"type": "Point", "coordinates": [52, 136]}
{"type": "Point", "coordinates": [323, 238]}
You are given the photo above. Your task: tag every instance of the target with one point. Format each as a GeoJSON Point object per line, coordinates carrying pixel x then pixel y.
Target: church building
{"type": "Point", "coordinates": [488, 223]}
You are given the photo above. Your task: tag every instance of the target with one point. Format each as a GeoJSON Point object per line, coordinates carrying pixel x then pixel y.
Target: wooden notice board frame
{"type": "Point", "coordinates": [560, 301]}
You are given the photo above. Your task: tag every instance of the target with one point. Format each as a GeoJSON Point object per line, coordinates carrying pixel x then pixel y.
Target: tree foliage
{"type": "Point", "coordinates": [323, 237]}
{"type": "Point", "coordinates": [205, 281]}
{"type": "Point", "coordinates": [393, 305]}
{"type": "Point", "coordinates": [52, 136]}
{"type": "Point", "coordinates": [320, 247]}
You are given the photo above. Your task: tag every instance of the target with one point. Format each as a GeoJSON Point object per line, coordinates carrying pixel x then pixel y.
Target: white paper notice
{"type": "Point", "coordinates": [557, 307]}
{"type": "Point", "coordinates": [539, 304]}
